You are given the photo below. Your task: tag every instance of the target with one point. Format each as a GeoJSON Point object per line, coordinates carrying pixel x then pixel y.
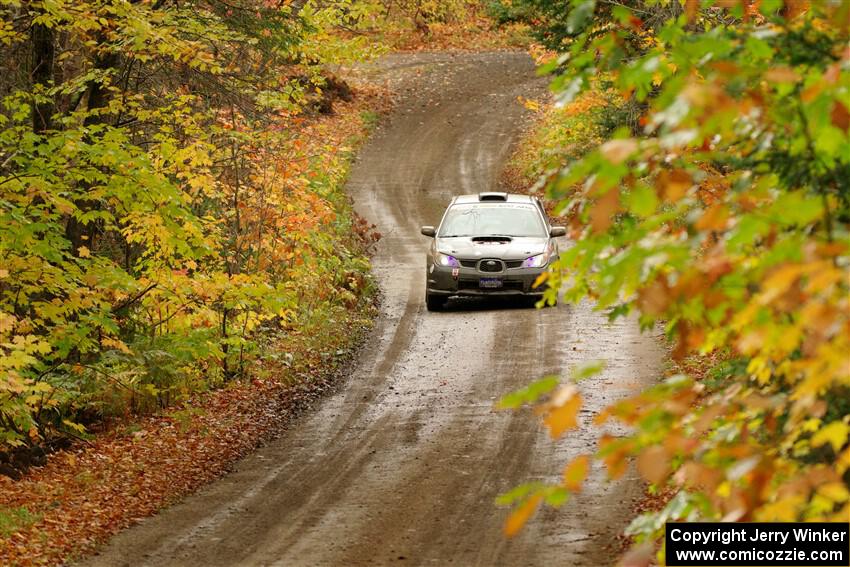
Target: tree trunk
{"type": "Point", "coordinates": [76, 232]}
{"type": "Point", "coordinates": [43, 51]}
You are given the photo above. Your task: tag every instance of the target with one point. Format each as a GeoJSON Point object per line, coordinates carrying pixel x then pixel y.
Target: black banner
{"type": "Point", "coordinates": [758, 544]}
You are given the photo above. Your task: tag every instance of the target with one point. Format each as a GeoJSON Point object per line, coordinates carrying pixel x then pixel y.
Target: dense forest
{"type": "Point", "coordinates": [159, 204]}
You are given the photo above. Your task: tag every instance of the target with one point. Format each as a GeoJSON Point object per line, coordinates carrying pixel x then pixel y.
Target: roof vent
{"type": "Point", "coordinates": [493, 196]}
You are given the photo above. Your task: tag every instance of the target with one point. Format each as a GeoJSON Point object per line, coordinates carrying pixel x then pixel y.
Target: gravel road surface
{"type": "Point", "coordinates": [402, 465]}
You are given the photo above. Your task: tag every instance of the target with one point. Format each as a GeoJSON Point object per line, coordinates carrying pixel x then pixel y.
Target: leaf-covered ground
{"type": "Point", "coordinates": [476, 32]}
{"type": "Point", "coordinates": [84, 495]}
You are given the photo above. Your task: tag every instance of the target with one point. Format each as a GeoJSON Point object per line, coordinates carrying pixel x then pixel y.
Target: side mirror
{"type": "Point", "coordinates": [556, 231]}
{"type": "Point", "coordinates": [429, 231]}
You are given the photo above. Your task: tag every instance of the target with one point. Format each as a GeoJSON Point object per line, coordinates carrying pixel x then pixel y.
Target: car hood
{"type": "Point", "coordinates": [517, 248]}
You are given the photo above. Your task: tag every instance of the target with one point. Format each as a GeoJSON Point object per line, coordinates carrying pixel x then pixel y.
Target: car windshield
{"type": "Point", "coordinates": [490, 219]}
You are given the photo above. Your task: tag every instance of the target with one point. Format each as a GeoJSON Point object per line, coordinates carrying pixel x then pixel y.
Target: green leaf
{"type": "Point", "coordinates": [529, 394]}
{"type": "Point", "coordinates": [519, 493]}
{"type": "Point", "coordinates": [580, 14]}
{"type": "Point", "coordinates": [642, 200]}
{"type": "Point", "coordinates": [587, 370]}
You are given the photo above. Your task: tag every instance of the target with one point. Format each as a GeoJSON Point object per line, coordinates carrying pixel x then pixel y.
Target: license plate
{"type": "Point", "coordinates": [490, 283]}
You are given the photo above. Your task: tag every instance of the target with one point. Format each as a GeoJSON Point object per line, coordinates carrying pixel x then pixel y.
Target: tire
{"type": "Point", "coordinates": [435, 302]}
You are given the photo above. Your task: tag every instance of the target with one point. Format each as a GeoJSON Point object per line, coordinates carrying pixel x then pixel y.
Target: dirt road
{"type": "Point", "coordinates": [401, 467]}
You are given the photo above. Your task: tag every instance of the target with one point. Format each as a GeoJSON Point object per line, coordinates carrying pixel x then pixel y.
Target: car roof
{"type": "Point", "coordinates": [502, 198]}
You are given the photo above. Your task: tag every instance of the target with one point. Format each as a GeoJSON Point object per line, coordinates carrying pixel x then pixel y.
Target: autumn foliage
{"type": "Point", "coordinates": [169, 193]}
{"type": "Point", "coordinates": [724, 218]}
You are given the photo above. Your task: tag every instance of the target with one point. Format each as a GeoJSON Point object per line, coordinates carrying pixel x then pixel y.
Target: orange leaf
{"type": "Point", "coordinates": [672, 185]}
{"type": "Point", "coordinates": [618, 151]}
{"type": "Point", "coordinates": [782, 75]}
{"type": "Point", "coordinates": [603, 211]}
{"type": "Point", "coordinates": [638, 556]}
{"type": "Point", "coordinates": [576, 472]}
{"type": "Point", "coordinates": [840, 116]}
{"type": "Point", "coordinates": [520, 516]}
{"type": "Point", "coordinates": [603, 416]}
{"type": "Point", "coordinates": [562, 410]}
{"type": "Point", "coordinates": [616, 453]}
{"type": "Point", "coordinates": [691, 7]}
{"type": "Point", "coordinates": [653, 464]}
{"type": "Point", "coordinates": [779, 280]}
{"type": "Point", "coordinates": [654, 298]}
{"type": "Point", "coordinates": [793, 9]}
{"type": "Point", "coordinates": [726, 68]}
{"type": "Point", "coordinates": [714, 218]}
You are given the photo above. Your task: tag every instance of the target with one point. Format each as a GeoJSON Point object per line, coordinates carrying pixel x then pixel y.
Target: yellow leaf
{"type": "Point", "coordinates": [520, 516]}
{"type": "Point", "coordinates": [843, 461]}
{"type": "Point", "coordinates": [758, 367]}
{"type": "Point", "coordinates": [779, 281]}
{"type": "Point", "coordinates": [576, 472]}
{"type": "Point", "coordinates": [784, 510]}
{"type": "Point", "coordinates": [540, 279]}
{"type": "Point", "coordinates": [116, 344]}
{"type": "Point", "coordinates": [83, 252]}
{"type": "Point", "coordinates": [530, 104]}
{"type": "Point", "coordinates": [835, 491]}
{"type": "Point", "coordinates": [75, 426]}
{"type": "Point", "coordinates": [834, 433]}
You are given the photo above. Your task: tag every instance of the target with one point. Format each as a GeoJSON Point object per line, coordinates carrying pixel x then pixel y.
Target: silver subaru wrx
{"type": "Point", "coordinates": [489, 244]}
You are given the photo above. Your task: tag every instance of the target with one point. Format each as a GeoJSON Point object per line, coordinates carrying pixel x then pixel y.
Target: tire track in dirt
{"type": "Point", "coordinates": [401, 466]}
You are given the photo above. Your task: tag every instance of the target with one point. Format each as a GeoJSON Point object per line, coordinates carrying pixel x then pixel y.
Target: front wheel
{"type": "Point", "coordinates": [435, 302]}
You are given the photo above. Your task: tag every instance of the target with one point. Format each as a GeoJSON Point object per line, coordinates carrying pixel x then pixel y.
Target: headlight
{"type": "Point", "coordinates": [446, 260]}
{"type": "Point", "coordinates": [537, 261]}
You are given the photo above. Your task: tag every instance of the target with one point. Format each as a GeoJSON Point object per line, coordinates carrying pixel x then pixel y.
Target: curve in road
{"type": "Point", "coordinates": [402, 465]}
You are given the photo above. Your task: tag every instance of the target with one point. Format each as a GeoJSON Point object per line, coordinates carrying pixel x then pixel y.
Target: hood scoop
{"type": "Point", "coordinates": [492, 239]}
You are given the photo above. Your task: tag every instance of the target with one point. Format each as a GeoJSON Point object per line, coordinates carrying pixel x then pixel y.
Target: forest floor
{"type": "Point", "coordinates": [403, 463]}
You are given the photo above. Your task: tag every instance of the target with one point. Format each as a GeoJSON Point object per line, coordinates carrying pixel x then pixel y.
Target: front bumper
{"type": "Point", "coordinates": [515, 281]}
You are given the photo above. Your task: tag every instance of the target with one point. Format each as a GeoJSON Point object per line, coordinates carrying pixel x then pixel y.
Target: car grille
{"type": "Point", "coordinates": [491, 265]}
{"type": "Point", "coordinates": [509, 264]}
